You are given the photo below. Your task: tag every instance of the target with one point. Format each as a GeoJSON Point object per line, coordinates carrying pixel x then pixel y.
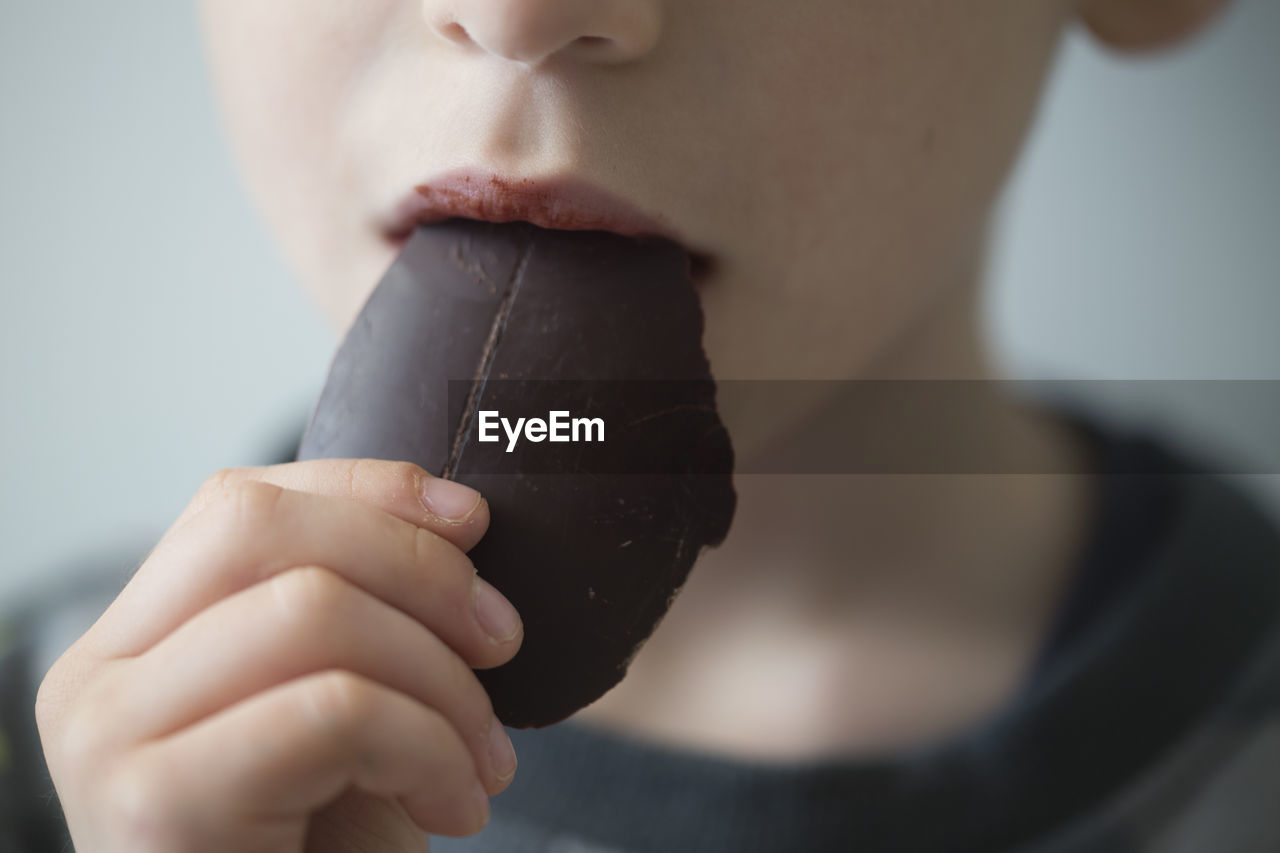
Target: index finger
{"type": "Point", "coordinates": [449, 509]}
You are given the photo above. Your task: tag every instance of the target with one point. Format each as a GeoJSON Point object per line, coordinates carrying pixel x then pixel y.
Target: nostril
{"type": "Point", "coordinates": [455, 32]}
{"type": "Point", "coordinates": [593, 46]}
{"type": "Point", "coordinates": [531, 31]}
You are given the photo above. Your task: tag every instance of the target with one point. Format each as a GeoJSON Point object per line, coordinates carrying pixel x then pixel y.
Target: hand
{"type": "Point", "coordinates": [290, 669]}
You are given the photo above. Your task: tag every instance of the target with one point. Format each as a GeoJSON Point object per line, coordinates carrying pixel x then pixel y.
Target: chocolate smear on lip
{"type": "Point", "coordinates": [590, 542]}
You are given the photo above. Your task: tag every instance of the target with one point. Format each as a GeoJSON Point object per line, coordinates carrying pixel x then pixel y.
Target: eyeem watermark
{"type": "Point", "coordinates": [559, 427]}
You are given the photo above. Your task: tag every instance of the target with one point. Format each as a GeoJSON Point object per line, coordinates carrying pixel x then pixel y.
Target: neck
{"type": "Point", "coordinates": [859, 614]}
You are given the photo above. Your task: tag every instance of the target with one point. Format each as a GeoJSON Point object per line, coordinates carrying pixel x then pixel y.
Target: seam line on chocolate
{"type": "Point", "coordinates": [488, 354]}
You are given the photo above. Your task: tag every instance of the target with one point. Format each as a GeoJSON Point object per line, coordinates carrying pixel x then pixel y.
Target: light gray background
{"type": "Point", "coordinates": [151, 336]}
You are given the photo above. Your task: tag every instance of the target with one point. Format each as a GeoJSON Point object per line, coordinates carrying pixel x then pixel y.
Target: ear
{"type": "Point", "coordinates": [1138, 25]}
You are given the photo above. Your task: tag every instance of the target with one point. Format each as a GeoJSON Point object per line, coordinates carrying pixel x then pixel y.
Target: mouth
{"type": "Point", "coordinates": [565, 204]}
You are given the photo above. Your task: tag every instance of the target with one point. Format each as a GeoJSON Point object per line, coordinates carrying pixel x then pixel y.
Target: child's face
{"type": "Point", "coordinates": [836, 159]}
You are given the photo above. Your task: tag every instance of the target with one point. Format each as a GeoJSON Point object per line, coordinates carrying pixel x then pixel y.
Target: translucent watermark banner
{"type": "Point", "coordinates": [514, 426]}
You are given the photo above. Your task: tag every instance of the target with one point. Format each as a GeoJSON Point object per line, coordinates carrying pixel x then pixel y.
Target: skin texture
{"type": "Point", "coordinates": [292, 664]}
{"type": "Point", "coordinates": [838, 159]}
{"type": "Point", "coordinates": [844, 192]}
{"type": "Point", "coordinates": [883, 141]}
{"type": "Point", "coordinates": [841, 189]}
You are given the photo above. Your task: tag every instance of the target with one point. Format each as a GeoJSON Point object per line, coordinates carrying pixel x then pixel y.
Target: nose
{"type": "Point", "coordinates": [533, 31]}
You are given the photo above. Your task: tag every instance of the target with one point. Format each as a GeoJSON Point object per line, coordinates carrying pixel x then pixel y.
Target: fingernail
{"type": "Point", "coordinates": [495, 614]}
{"type": "Point", "coordinates": [481, 798]}
{"type": "Point", "coordinates": [502, 753]}
{"type": "Point", "coordinates": [449, 499]}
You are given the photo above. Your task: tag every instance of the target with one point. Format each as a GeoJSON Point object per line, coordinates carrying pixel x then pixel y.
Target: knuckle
{"type": "Point", "coordinates": [380, 477]}
{"type": "Point", "coordinates": [249, 504]}
{"type": "Point", "coordinates": [139, 806]}
{"type": "Point", "coordinates": [339, 702]}
{"type": "Point", "coordinates": [351, 476]}
{"type": "Point", "coordinates": [56, 701]}
{"type": "Point", "coordinates": [221, 478]}
{"type": "Point", "coordinates": [80, 740]}
{"type": "Point", "coordinates": [403, 477]}
{"type": "Point", "coordinates": [50, 699]}
{"type": "Point", "coordinates": [309, 595]}
{"type": "Point", "coordinates": [217, 482]}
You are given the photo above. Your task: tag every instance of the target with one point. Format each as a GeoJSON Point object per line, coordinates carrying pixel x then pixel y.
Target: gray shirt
{"type": "Point", "coordinates": [1150, 724]}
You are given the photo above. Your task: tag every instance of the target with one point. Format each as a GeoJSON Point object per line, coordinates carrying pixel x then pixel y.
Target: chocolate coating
{"type": "Point", "coordinates": [591, 552]}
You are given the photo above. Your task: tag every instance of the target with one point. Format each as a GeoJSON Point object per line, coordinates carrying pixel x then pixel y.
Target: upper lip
{"type": "Point", "coordinates": [564, 203]}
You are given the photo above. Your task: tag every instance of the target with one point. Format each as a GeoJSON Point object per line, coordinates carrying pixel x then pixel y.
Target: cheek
{"type": "Point", "coordinates": [880, 150]}
{"type": "Point", "coordinates": [283, 72]}
{"type": "Point", "coordinates": [895, 118]}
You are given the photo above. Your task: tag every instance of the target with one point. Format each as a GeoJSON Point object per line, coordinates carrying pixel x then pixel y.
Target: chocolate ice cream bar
{"type": "Point", "coordinates": [476, 322]}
